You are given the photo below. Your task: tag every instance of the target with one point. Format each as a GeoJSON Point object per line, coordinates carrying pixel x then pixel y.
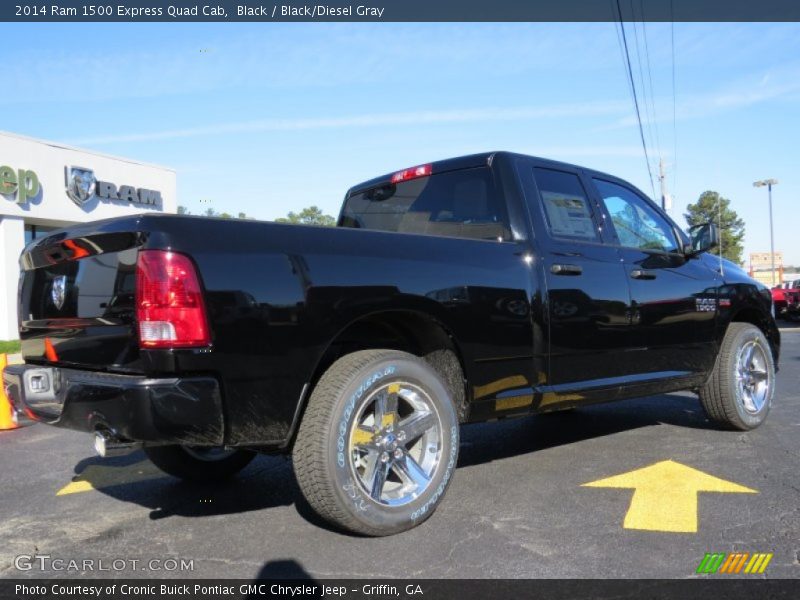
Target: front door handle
{"type": "Point", "coordinates": [566, 269]}
{"type": "Point", "coordinates": [641, 274]}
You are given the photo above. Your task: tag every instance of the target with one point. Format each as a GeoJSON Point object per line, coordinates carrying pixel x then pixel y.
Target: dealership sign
{"type": "Point", "coordinates": [82, 185]}
{"type": "Point", "coordinates": [19, 185]}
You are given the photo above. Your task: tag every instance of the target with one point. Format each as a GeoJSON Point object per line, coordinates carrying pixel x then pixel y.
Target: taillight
{"type": "Point", "coordinates": [169, 302]}
{"type": "Point", "coordinates": [412, 173]}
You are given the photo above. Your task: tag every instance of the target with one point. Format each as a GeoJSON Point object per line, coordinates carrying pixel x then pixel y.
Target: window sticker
{"type": "Point", "coordinates": [568, 215]}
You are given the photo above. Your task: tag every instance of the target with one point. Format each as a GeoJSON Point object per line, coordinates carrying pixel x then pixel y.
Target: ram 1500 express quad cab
{"type": "Point", "coordinates": [470, 289]}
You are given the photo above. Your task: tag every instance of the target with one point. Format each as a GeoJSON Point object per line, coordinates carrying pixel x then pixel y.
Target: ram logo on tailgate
{"type": "Point", "coordinates": [58, 292]}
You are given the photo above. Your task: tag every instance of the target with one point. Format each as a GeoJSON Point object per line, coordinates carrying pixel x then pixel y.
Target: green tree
{"type": "Point", "coordinates": [182, 210]}
{"type": "Point", "coordinates": [311, 215]}
{"type": "Point", "coordinates": [210, 212]}
{"type": "Point", "coordinates": [710, 206]}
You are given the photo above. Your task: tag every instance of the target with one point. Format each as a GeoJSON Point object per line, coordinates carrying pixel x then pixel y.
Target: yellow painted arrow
{"type": "Point", "coordinates": [100, 476]}
{"type": "Point", "coordinates": [666, 495]}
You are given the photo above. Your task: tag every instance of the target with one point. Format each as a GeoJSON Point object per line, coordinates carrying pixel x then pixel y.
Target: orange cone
{"type": "Point", "coordinates": [7, 416]}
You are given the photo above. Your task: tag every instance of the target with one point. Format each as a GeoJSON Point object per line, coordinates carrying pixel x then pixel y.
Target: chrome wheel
{"type": "Point", "coordinates": [209, 453]}
{"type": "Point", "coordinates": [752, 376]}
{"type": "Point", "coordinates": [395, 443]}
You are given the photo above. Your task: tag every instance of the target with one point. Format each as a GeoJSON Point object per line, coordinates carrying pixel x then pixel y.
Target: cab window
{"type": "Point", "coordinates": [464, 203]}
{"type": "Point", "coordinates": [566, 206]}
{"type": "Point", "coordinates": [636, 223]}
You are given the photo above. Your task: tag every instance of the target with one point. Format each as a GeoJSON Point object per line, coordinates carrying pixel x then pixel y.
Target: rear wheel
{"type": "Point", "coordinates": [738, 394]}
{"type": "Point", "coordinates": [197, 463]}
{"type": "Point", "coordinates": [378, 443]}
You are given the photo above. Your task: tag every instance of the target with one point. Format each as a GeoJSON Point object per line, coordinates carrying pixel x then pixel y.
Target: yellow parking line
{"type": "Point", "coordinates": [96, 477]}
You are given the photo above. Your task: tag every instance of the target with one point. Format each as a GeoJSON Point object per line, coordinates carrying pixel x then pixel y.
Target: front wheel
{"type": "Point", "coordinates": [378, 443]}
{"type": "Point", "coordinates": [195, 463]}
{"type": "Point", "coordinates": [738, 394]}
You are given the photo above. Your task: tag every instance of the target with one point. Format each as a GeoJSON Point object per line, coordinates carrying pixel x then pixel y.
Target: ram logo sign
{"type": "Point", "coordinates": [734, 563]}
{"type": "Point", "coordinates": [82, 185]}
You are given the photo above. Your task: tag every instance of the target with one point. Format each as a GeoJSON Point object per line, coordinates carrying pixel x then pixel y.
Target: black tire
{"type": "Point", "coordinates": [198, 464]}
{"type": "Point", "coordinates": [724, 397]}
{"type": "Point", "coordinates": [331, 467]}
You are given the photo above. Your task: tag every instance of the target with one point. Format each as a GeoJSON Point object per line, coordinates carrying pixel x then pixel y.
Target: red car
{"type": "Point", "coordinates": [786, 298]}
{"type": "Point", "coordinates": [792, 301]}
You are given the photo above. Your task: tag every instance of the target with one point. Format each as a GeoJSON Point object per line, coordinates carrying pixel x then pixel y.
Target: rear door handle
{"type": "Point", "coordinates": [641, 274]}
{"type": "Point", "coordinates": [566, 269]}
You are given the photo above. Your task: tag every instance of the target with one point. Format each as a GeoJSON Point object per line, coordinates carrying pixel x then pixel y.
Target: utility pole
{"type": "Point", "coordinates": [769, 183]}
{"type": "Point", "coordinates": [663, 180]}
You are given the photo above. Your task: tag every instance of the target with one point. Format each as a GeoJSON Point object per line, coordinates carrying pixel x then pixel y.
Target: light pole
{"type": "Point", "coordinates": [769, 183]}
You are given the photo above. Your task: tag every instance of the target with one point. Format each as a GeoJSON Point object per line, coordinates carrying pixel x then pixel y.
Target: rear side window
{"type": "Point", "coordinates": [462, 203]}
{"type": "Point", "coordinates": [566, 207]}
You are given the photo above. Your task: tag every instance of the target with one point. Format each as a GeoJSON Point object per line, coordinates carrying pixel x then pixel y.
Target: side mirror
{"type": "Point", "coordinates": [704, 237]}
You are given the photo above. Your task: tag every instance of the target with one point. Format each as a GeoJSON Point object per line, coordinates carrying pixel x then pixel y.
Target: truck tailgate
{"type": "Point", "coordinates": [77, 299]}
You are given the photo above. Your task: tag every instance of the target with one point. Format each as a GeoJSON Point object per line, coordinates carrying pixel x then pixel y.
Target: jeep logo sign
{"type": "Point", "coordinates": [21, 183]}
{"type": "Point", "coordinates": [82, 185]}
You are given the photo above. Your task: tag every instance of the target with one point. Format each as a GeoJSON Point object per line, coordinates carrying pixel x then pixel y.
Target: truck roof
{"type": "Point", "coordinates": [466, 162]}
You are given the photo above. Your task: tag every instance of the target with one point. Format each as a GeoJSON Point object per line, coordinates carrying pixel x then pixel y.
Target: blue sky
{"type": "Point", "coordinates": [268, 118]}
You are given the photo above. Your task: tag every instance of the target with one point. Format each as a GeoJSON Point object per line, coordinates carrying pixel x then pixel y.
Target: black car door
{"type": "Point", "coordinates": [673, 298]}
{"type": "Point", "coordinates": [586, 297]}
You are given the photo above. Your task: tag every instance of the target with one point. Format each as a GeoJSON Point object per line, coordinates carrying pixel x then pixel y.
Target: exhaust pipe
{"type": "Point", "coordinates": [105, 445]}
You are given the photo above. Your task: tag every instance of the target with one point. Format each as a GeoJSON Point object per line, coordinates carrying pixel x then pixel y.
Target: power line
{"type": "Point", "coordinates": [621, 53]}
{"type": "Point", "coordinates": [635, 98]}
{"type": "Point", "coordinates": [649, 115]}
{"type": "Point", "coordinates": [652, 88]}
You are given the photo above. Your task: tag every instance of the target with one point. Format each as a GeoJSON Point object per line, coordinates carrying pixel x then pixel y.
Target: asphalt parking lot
{"type": "Point", "coordinates": [518, 506]}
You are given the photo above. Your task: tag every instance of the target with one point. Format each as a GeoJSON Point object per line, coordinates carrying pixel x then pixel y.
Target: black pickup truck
{"type": "Point", "coordinates": [470, 289]}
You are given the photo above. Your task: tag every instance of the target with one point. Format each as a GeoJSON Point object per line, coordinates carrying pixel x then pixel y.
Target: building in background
{"type": "Point", "coordinates": [761, 268]}
{"type": "Point", "coordinates": [45, 186]}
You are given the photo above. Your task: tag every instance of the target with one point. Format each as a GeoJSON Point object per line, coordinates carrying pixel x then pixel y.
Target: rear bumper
{"type": "Point", "coordinates": [157, 410]}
